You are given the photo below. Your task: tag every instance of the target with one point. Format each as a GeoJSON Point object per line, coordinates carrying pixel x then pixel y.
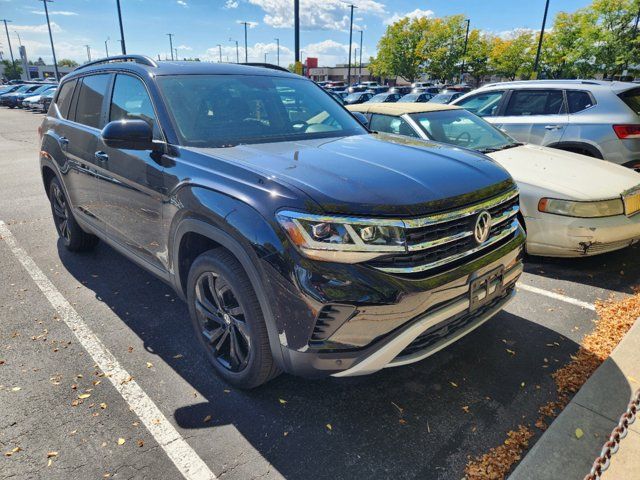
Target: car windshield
{"type": "Point", "coordinates": [379, 98]}
{"type": "Point", "coordinates": [463, 129]}
{"type": "Point", "coordinates": [410, 97]}
{"type": "Point", "coordinates": [442, 98]}
{"type": "Point", "coordinates": [227, 110]}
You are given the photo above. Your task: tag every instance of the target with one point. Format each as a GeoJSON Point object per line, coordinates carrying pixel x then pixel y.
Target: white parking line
{"type": "Point", "coordinates": [186, 460]}
{"type": "Point", "coordinates": [557, 296]}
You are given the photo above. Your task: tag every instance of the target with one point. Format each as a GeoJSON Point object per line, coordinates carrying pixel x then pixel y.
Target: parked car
{"type": "Point", "coordinates": [300, 241]}
{"type": "Point", "coordinates": [338, 98]}
{"type": "Point", "coordinates": [421, 84]}
{"type": "Point", "coordinates": [45, 100]}
{"type": "Point", "coordinates": [8, 89]}
{"type": "Point", "coordinates": [30, 102]}
{"type": "Point", "coordinates": [385, 98]}
{"type": "Point", "coordinates": [595, 118]}
{"type": "Point", "coordinates": [432, 90]}
{"type": "Point", "coordinates": [402, 90]}
{"type": "Point", "coordinates": [4, 97]}
{"type": "Point", "coordinates": [571, 205]}
{"type": "Point", "coordinates": [445, 98]}
{"type": "Point", "coordinates": [416, 97]}
{"type": "Point", "coordinates": [358, 97]}
{"type": "Point", "coordinates": [15, 99]}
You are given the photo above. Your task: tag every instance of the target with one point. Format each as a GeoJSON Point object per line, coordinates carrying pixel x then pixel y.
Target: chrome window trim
{"type": "Point", "coordinates": [427, 266]}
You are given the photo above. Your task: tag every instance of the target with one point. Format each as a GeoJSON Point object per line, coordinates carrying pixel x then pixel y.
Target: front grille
{"type": "Point", "coordinates": [449, 327]}
{"type": "Point", "coordinates": [443, 239]}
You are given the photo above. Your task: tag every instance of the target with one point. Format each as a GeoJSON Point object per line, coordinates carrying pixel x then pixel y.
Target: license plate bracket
{"type": "Point", "coordinates": [486, 288]}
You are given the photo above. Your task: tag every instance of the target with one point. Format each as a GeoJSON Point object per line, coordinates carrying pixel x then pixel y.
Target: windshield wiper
{"type": "Point", "coordinates": [497, 149]}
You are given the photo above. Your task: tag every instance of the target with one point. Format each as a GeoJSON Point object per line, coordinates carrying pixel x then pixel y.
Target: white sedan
{"type": "Point", "coordinates": [571, 205]}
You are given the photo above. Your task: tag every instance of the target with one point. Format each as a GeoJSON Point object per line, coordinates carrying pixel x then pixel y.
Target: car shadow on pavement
{"type": "Point", "coordinates": [618, 271]}
{"type": "Point", "coordinates": [418, 421]}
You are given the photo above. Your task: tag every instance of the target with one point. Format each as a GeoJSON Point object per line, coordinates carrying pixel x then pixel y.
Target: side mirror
{"type": "Point", "coordinates": [128, 134]}
{"type": "Point", "coordinates": [361, 117]}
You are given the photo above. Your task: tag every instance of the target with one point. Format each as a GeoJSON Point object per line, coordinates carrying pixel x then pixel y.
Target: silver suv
{"type": "Point", "coordinates": [596, 118]}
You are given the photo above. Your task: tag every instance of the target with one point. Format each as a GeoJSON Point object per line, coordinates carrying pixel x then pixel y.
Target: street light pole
{"type": "Point", "coordinates": [246, 51]}
{"type": "Point", "coordinates": [360, 66]}
{"type": "Point", "coordinates": [278, 51]}
{"type": "Point", "coordinates": [265, 57]}
{"type": "Point", "coordinates": [350, 40]}
{"type": "Point", "coordinates": [53, 50]}
{"type": "Point", "coordinates": [170, 35]}
{"type": "Point", "coordinates": [106, 47]}
{"type": "Point", "coordinates": [88, 52]}
{"type": "Point", "coordinates": [296, 31]}
{"type": "Point", "coordinates": [9, 40]}
{"type": "Point", "coordinates": [237, 50]}
{"type": "Point", "coordinates": [219, 52]}
{"type": "Point", "coordinates": [544, 22]}
{"type": "Point", "coordinates": [19, 39]}
{"type": "Point", "coordinates": [464, 53]}
{"type": "Point", "coordinates": [122, 44]}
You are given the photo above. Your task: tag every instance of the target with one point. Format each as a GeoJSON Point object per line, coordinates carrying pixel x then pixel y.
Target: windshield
{"type": "Point", "coordinates": [379, 98]}
{"type": "Point", "coordinates": [442, 98]}
{"type": "Point", "coordinates": [463, 129]}
{"type": "Point", "coordinates": [410, 97]}
{"type": "Point", "coordinates": [227, 110]}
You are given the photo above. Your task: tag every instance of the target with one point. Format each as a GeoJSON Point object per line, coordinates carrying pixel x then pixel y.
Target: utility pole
{"type": "Point", "coordinates": [106, 47]}
{"type": "Point", "coordinates": [544, 23]}
{"type": "Point", "coordinates": [122, 44]}
{"type": "Point", "coordinates": [464, 52]}
{"type": "Point", "coordinates": [18, 35]}
{"type": "Point", "coordinates": [88, 52]}
{"type": "Point", "coordinates": [265, 57]}
{"type": "Point", "coordinates": [176, 51]}
{"type": "Point", "coordinates": [296, 35]}
{"type": "Point", "coordinates": [8, 39]}
{"type": "Point", "coordinates": [53, 50]}
{"type": "Point", "coordinates": [246, 51]}
{"type": "Point", "coordinates": [350, 40]}
{"type": "Point", "coordinates": [237, 50]}
{"type": "Point", "coordinates": [220, 52]}
{"type": "Point", "coordinates": [360, 66]}
{"type": "Point", "coordinates": [278, 51]}
{"type": "Point", "coordinates": [170, 35]}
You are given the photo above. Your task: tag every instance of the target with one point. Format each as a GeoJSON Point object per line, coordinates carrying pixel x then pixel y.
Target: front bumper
{"type": "Point", "coordinates": [396, 322]}
{"type": "Point", "coordinates": [558, 236]}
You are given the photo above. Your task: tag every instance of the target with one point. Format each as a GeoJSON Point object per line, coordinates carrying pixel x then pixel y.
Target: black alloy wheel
{"type": "Point", "coordinates": [60, 212]}
{"type": "Point", "coordinates": [223, 322]}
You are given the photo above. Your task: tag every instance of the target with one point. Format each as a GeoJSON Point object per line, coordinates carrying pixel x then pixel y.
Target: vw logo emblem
{"type": "Point", "coordinates": [483, 227]}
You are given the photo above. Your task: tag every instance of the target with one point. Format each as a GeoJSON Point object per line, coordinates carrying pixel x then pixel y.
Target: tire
{"type": "Point", "coordinates": [73, 237]}
{"type": "Point", "coordinates": [225, 312]}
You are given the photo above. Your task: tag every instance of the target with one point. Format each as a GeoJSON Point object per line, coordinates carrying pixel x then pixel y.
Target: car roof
{"type": "Point", "coordinates": [569, 84]}
{"type": "Point", "coordinates": [147, 66]}
{"type": "Point", "coordinates": [398, 109]}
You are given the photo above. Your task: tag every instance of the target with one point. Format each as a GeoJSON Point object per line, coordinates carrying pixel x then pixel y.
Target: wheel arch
{"type": "Point", "coordinates": [578, 147]}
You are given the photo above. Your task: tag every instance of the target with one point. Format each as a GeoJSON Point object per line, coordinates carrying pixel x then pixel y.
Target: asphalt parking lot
{"type": "Point", "coordinates": [67, 419]}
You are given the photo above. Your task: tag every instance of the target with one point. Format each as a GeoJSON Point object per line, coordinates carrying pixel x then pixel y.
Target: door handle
{"type": "Point", "coordinates": [102, 157]}
{"type": "Point", "coordinates": [64, 142]}
{"type": "Point", "coordinates": [553, 127]}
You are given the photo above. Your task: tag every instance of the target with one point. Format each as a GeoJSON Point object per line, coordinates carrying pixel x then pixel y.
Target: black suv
{"type": "Point", "coordinates": [300, 241]}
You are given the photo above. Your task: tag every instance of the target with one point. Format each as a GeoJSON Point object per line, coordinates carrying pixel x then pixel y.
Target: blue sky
{"type": "Point", "coordinates": [200, 25]}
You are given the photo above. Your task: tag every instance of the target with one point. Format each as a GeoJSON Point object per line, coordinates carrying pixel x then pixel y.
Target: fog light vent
{"type": "Point", "coordinates": [329, 319]}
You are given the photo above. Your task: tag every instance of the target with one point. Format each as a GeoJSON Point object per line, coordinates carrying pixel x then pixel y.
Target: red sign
{"type": "Point", "coordinates": [312, 62]}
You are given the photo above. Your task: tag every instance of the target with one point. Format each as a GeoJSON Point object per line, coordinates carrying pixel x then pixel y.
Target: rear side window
{"type": "Point", "coordinates": [90, 99]}
{"type": "Point", "coordinates": [535, 102]}
{"type": "Point", "coordinates": [483, 104]}
{"type": "Point", "coordinates": [578, 101]}
{"type": "Point", "coordinates": [390, 124]}
{"type": "Point", "coordinates": [632, 99]}
{"type": "Point", "coordinates": [64, 97]}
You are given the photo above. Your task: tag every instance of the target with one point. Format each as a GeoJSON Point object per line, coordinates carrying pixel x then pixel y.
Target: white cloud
{"type": "Point", "coordinates": [183, 3]}
{"type": "Point", "coordinates": [229, 4]}
{"type": "Point", "coordinates": [417, 13]}
{"type": "Point", "coordinates": [511, 34]}
{"type": "Point", "coordinates": [315, 15]}
{"type": "Point", "coordinates": [55, 28]}
{"type": "Point", "coordinates": [184, 47]}
{"type": "Point", "coordinates": [63, 13]}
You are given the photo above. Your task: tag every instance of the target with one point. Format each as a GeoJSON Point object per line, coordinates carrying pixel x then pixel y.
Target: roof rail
{"type": "Point", "coordinates": [142, 59]}
{"type": "Point", "coordinates": [266, 65]}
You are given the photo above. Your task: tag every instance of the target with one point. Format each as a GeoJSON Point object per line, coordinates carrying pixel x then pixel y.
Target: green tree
{"type": "Point", "coordinates": [513, 57]}
{"type": "Point", "coordinates": [399, 50]}
{"type": "Point", "coordinates": [477, 59]}
{"type": "Point", "coordinates": [442, 45]}
{"type": "Point", "coordinates": [12, 70]}
{"type": "Point", "coordinates": [66, 62]}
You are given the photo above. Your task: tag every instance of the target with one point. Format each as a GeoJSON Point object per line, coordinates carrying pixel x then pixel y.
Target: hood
{"type": "Point", "coordinates": [571, 175]}
{"type": "Point", "coordinates": [371, 174]}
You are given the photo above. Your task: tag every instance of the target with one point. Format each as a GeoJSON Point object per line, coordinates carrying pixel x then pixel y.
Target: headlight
{"type": "Point", "coordinates": [568, 208]}
{"type": "Point", "coordinates": [342, 239]}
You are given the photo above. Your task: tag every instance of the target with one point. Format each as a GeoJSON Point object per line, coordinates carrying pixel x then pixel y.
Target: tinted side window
{"type": "Point", "coordinates": [64, 97]}
{"type": "Point", "coordinates": [389, 124]}
{"type": "Point", "coordinates": [130, 101]}
{"type": "Point", "coordinates": [483, 104]}
{"type": "Point", "coordinates": [90, 98]}
{"type": "Point", "coordinates": [578, 101]}
{"type": "Point", "coordinates": [535, 102]}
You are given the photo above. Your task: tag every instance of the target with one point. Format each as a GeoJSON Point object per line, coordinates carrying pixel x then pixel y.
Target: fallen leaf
{"type": "Point", "coordinates": [84, 395]}
{"type": "Point", "coordinates": [207, 419]}
{"type": "Point", "coordinates": [149, 365]}
{"type": "Point", "coordinates": [140, 443]}
{"type": "Point", "coordinates": [16, 389]}
{"type": "Point", "coordinates": [286, 433]}
{"type": "Point", "coordinates": [121, 441]}
{"type": "Point", "coordinates": [510, 351]}
{"type": "Point", "coordinates": [282, 402]}
{"type": "Point", "coordinates": [329, 426]}
{"type": "Point", "coordinates": [579, 433]}
{"type": "Point", "coordinates": [465, 408]}
{"type": "Point", "coordinates": [522, 384]}
{"type": "Point", "coordinates": [454, 384]}
{"type": "Point", "coordinates": [178, 356]}
{"type": "Point", "coordinates": [226, 391]}
{"type": "Point", "coordinates": [103, 406]}
{"type": "Point", "coordinates": [52, 454]}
